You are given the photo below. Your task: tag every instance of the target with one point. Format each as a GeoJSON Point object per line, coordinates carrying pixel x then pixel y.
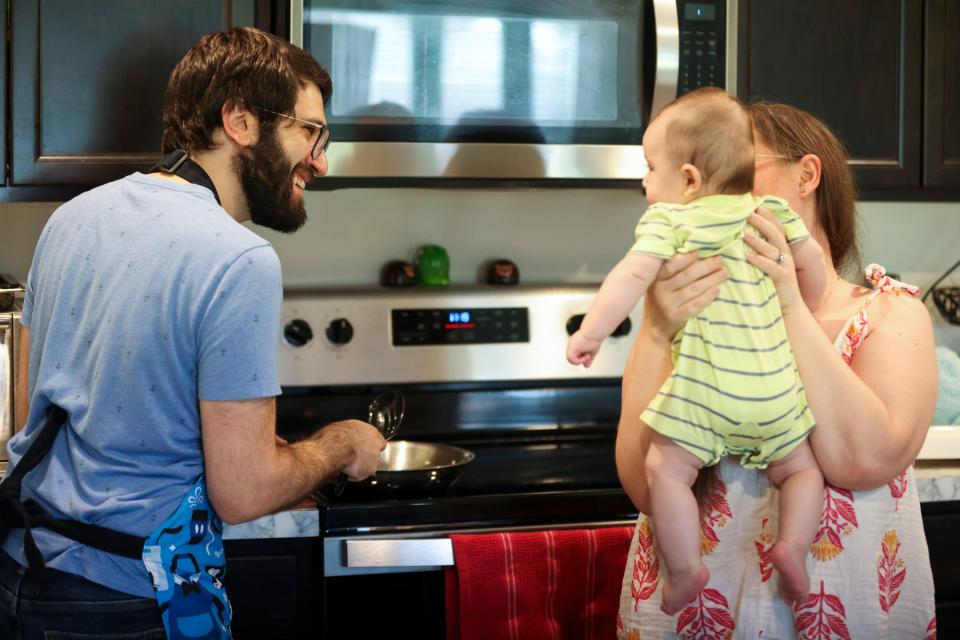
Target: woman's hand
{"type": "Point", "coordinates": [765, 254]}
{"type": "Point", "coordinates": [684, 286]}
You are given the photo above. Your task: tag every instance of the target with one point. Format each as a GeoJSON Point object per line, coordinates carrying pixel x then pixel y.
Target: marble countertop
{"type": "Point", "coordinates": [302, 522]}
{"type": "Point", "coordinates": [937, 481]}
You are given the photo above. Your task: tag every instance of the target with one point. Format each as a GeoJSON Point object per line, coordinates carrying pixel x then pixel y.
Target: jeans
{"type": "Point", "coordinates": [72, 608]}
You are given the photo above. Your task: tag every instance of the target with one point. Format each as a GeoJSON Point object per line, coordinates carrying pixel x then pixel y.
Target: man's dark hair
{"type": "Point", "coordinates": [243, 66]}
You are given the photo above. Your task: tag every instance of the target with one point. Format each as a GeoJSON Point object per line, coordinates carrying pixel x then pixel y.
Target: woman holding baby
{"type": "Point", "coordinates": [866, 359]}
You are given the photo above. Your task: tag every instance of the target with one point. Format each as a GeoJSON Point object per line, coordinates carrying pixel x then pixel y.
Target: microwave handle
{"type": "Point", "coordinates": [296, 23]}
{"type": "Point", "coordinates": [667, 27]}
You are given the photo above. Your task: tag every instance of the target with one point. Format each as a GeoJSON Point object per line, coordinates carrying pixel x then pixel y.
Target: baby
{"type": "Point", "coordinates": [734, 387]}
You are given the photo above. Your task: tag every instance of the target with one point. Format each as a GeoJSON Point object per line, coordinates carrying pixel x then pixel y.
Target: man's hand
{"type": "Point", "coordinates": [366, 443]}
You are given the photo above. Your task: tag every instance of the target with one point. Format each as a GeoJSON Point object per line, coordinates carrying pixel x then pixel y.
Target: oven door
{"type": "Point", "coordinates": [519, 89]}
{"type": "Point", "coordinates": [387, 582]}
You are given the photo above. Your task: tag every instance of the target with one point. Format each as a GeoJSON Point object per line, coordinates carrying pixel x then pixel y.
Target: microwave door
{"type": "Point", "coordinates": [489, 89]}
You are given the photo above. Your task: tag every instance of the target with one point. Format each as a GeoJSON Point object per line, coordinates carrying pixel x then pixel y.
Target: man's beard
{"type": "Point", "coordinates": [267, 181]}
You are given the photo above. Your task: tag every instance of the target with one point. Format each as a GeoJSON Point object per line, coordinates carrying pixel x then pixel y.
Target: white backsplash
{"type": "Point", "coordinates": [554, 235]}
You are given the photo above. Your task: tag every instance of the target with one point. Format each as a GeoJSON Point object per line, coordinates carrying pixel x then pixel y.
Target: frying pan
{"type": "Point", "coordinates": [409, 468]}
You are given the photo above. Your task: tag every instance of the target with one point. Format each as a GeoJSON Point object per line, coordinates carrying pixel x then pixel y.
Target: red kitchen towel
{"type": "Point", "coordinates": [546, 584]}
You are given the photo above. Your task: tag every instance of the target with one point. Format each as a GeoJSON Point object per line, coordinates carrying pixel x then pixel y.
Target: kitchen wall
{"type": "Point", "coordinates": [556, 235]}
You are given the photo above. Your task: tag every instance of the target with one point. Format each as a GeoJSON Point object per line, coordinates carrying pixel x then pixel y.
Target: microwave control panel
{"type": "Point", "coordinates": [702, 41]}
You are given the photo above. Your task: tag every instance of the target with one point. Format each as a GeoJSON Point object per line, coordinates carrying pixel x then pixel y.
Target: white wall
{"type": "Point", "coordinates": [555, 235]}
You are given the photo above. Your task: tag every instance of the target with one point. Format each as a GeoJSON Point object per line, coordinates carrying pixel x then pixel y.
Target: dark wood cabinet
{"type": "Point", "coordinates": [942, 94]}
{"type": "Point", "coordinates": [87, 80]}
{"type": "Point", "coordinates": [273, 588]}
{"type": "Point", "coordinates": [856, 64]}
{"type": "Point", "coordinates": [941, 522]}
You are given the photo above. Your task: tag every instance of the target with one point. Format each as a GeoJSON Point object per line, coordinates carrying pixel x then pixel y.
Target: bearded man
{"type": "Point", "coordinates": [151, 322]}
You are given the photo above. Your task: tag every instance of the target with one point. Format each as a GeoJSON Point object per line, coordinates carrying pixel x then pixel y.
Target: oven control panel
{"type": "Point", "coordinates": [449, 334]}
{"type": "Point", "coordinates": [412, 327]}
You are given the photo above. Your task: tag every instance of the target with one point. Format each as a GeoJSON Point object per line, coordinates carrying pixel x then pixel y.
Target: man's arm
{"type": "Point", "coordinates": [251, 473]}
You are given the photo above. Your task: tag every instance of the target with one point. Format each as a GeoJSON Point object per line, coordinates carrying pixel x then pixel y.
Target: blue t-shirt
{"type": "Point", "coordinates": [144, 297]}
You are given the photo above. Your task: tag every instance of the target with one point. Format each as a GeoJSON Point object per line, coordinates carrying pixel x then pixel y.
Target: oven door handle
{"type": "Point", "coordinates": [424, 553]}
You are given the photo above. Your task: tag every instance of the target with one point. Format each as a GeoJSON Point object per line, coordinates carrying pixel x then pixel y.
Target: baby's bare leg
{"type": "Point", "coordinates": [801, 503]}
{"type": "Point", "coordinates": [671, 470]}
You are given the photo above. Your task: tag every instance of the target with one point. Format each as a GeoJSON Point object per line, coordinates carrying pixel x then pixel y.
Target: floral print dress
{"type": "Point", "coordinates": [869, 567]}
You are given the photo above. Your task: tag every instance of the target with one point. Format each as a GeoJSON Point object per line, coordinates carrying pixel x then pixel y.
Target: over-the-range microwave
{"type": "Point", "coordinates": [527, 90]}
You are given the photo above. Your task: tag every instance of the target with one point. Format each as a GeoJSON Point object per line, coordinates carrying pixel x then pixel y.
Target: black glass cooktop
{"type": "Point", "coordinates": [550, 480]}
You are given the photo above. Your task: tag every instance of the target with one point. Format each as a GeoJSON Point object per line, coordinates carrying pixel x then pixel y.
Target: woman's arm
{"type": "Point", "coordinates": [872, 417]}
{"type": "Point", "coordinates": [811, 271]}
{"type": "Point", "coordinates": [684, 287]}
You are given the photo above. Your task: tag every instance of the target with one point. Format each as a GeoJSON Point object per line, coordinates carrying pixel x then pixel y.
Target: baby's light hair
{"type": "Point", "coordinates": [712, 131]}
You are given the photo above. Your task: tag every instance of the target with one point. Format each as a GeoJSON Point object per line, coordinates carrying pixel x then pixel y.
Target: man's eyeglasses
{"type": "Point", "coordinates": [773, 155]}
{"type": "Point", "coordinates": [323, 137]}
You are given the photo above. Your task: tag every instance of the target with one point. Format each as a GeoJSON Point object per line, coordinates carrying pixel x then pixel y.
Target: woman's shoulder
{"type": "Point", "coordinates": [897, 317]}
{"type": "Point", "coordinates": [887, 300]}
{"type": "Point", "coordinates": [863, 311]}
{"type": "Point", "coordinates": [896, 306]}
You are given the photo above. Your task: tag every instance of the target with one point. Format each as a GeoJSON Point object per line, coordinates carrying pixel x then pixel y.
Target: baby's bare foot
{"type": "Point", "coordinates": [680, 589]}
{"type": "Point", "coordinates": [789, 561]}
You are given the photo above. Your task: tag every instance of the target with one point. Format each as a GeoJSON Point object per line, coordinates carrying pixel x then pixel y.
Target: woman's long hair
{"type": "Point", "coordinates": [793, 132]}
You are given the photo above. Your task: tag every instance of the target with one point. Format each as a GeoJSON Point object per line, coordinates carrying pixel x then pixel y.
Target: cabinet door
{"type": "Point", "coordinates": [88, 78]}
{"type": "Point", "coordinates": [272, 586]}
{"type": "Point", "coordinates": [942, 95]}
{"type": "Point", "coordinates": [941, 521]}
{"type": "Point", "coordinates": [856, 64]}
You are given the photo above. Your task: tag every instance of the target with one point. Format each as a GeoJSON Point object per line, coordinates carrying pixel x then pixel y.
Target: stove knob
{"type": "Point", "coordinates": [574, 323]}
{"type": "Point", "coordinates": [339, 331]}
{"type": "Point", "coordinates": [298, 332]}
{"type": "Point", "coordinates": [622, 329]}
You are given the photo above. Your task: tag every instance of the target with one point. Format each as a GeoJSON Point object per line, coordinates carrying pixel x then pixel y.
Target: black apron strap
{"type": "Point", "coordinates": [15, 514]}
{"type": "Point", "coordinates": [179, 164]}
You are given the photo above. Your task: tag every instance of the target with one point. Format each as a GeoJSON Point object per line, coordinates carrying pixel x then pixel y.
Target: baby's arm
{"type": "Point", "coordinates": [811, 271]}
{"type": "Point", "coordinates": [621, 290]}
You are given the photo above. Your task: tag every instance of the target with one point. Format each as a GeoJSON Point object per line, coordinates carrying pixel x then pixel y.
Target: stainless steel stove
{"type": "Point", "coordinates": [482, 368]}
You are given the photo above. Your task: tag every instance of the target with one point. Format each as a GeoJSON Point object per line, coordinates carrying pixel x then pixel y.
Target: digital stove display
{"type": "Point", "coordinates": [422, 327]}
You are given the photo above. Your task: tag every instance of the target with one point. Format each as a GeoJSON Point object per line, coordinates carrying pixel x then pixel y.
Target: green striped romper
{"type": "Point", "coordinates": [734, 387]}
